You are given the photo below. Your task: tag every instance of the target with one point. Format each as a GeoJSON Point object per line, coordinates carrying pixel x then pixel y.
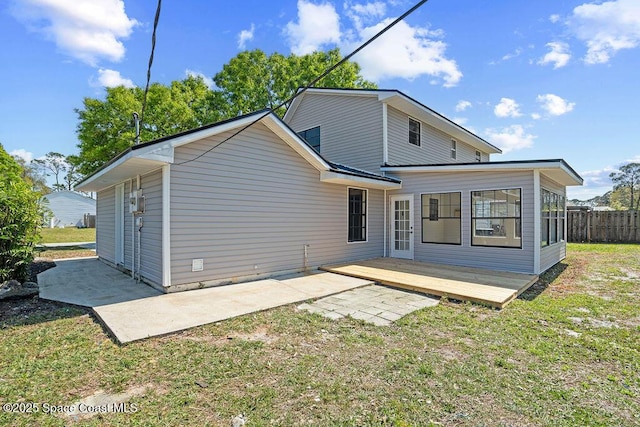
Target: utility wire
{"type": "Point", "coordinates": [311, 84]}
{"type": "Point", "coordinates": [153, 48]}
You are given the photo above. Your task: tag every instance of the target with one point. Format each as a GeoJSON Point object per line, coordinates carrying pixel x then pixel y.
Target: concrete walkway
{"type": "Point", "coordinates": [375, 304]}
{"type": "Point", "coordinates": [133, 311]}
{"type": "Point", "coordinates": [90, 283]}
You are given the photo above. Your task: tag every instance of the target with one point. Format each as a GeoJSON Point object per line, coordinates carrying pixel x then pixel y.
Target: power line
{"type": "Point", "coordinates": [153, 48]}
{"type": "Point", "coordinates": [309, 85]}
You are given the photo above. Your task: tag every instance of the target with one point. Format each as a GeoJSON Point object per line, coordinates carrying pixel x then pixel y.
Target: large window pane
{"type": "Point", "coordinates": [357, 215]}
{"type": "Point", "coordinates": [552, 217]}
{"type": "Point", "coordinates": [414, 132]}
{"type": "Point", "coordinates": [441, 218]}
{"type": "Point", "coordinates": [496, 218]}
{"type": "Point", "coordinates": [312, 136]}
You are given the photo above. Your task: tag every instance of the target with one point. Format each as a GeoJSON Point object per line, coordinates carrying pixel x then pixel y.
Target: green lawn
{"type": "Point", "coordinates": [69, 234]}
{"type": "Point", "coordinates": [566, 354]}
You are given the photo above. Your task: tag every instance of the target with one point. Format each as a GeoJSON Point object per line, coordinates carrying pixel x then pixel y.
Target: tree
{"type": "Point", "coordinates": [53, 163]}
{"type": "Point", "coordinates": [107, 128]}
{"type": "Point", "coordinates": [252, 80]}
{"type": "Point", "coordinates": [73, 174]}
{"type": "Point", "coordinates": [33, 175]}
{"type": "Point", "coordinates": [627, 180]}
{"type": "Point", "coordinates": [20, 217]}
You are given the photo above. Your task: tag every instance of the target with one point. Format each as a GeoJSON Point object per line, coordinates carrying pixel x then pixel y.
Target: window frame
{"type": "Point", "coordinates": [552, 214]}
{"type": "Point", "coordinates": [478, 156]}
{"type": "Point", "coordinates": [418, 133]}
{"type": "Point", "coordinates": [428, 217]}
{"type": "Point", "coordinates": [454, 149]}
{"type": "Point", "coordinates": [516, 219]}
{"type": "Point", "coordinates": [364, 214]}
{"type": "Point", "coordinates": [300, 134]}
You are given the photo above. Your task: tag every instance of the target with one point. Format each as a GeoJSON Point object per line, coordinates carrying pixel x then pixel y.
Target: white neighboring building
{"type": "Point", "coordinates": [68, 208]}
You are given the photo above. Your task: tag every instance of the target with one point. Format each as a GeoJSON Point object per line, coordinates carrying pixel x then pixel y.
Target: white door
{"type": "Point", "coordinates": [402, 226]}
{"type": "Point", "coordinates": [119, 225]}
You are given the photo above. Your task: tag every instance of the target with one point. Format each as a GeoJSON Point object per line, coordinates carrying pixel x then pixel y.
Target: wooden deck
{"type": "Point", "coordinates": [489, 287]}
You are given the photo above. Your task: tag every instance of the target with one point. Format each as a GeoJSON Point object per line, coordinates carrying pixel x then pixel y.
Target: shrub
{"type": "Point", "coordinates": [20, 218]}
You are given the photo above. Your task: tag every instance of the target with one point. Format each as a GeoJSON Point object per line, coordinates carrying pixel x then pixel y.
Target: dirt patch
{"type": "Point", "coordinates": [25, 311]}
{"type": "Point", "coordinates": [39, 265]}
{"type": "Point", "coordinates": [260, 334]}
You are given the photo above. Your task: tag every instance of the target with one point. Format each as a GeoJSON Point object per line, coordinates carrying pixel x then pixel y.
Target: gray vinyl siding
{"type": "Point", "coordinates": [128, 230]}
{"type": "Point", "coordinates": [509, 259]}
{"type": "Point", "coordinates": [151, 236]}
{"type": "Point", "coordinates": [105, 224]}
{"type": "Point", "coordinates": [350, 128]}
{"type": "Point", "coordinates": [552, 254]}
{"type": "Point", "coordinates": [435, 145]}
{"type": "Point", "coordinates": [249, 206]}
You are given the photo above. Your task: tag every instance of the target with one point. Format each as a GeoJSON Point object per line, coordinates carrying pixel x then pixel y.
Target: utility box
{"type": "Point", "coordinates": [136, 202]}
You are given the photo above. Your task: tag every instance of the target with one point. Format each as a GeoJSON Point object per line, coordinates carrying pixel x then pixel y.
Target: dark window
{"type": "Point", "coordinates": [441, 218]}
{"type": "Point", "coordinates": [552, 217]}
{"type": "Point", "coordinates": [414, 132]}
{"type": "Point", "coordinates": [478, 156]}
{"type": "Point", "coordinates": [496, 218]}
{"type": "Point", "coordinates": [312, 136]}
{"type": "Point", "coordinates": [357, 215]}
{"type": "Point", "coordinates": [454, 149]}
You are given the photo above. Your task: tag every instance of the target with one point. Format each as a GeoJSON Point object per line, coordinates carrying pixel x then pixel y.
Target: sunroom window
{"type": "Point", "coordinates": [441, 218]}
{"type": "Point", "coordinates": [496, 218]}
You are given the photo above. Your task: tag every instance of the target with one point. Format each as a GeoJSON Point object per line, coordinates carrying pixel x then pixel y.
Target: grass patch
{"type": "Point", "coordinates": [65, 252]}
{"type": "Point", "coordinates": [567, 355]}
{"type": "Point", "coordinates": [68, 234]}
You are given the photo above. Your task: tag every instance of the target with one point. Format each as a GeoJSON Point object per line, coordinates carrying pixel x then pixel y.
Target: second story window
{"type": "Point", "coordinates": [454, 148]}
{"type": "Point", "coordinates": [414, 132]}
{"type": "Point", "coordinates": [478, 156]}
{"type": "Point", "coordinates": [312, 136]}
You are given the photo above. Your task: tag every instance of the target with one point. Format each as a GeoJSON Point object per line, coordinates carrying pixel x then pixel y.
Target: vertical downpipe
{"type": "Point", "coordinates": [306, 257]}
{"type": "Point", "coordinates": [133, 233]}
{"type": "Point", "coordinates": [386, 226]}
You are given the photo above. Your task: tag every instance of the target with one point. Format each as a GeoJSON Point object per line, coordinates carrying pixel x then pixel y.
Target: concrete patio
{"type": "Point", "coordinates": [133, 311]}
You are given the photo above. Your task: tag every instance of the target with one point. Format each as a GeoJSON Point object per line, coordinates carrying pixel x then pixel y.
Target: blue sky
{"type": "Point", "coordinates": [540, 79]}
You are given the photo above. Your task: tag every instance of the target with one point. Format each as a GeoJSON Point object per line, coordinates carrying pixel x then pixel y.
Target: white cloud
{"type": "Point", "coordinates": [245, 36]}
{"type": "Point", "coordinates": [207, 80]}
{"type": "Point", "coordinates": [558, 55]}
{"type": "Point", "coordinates": [407, 52]}
{"type": "Point", "coordinates": [318, 25]}
{"type": "Point", "coordinates": [362, 14]}
{"type": "Point", "coordinates": [513, 54]}
{"type": "Point", "coordinates": [606, 28]}
{"type": "Point", "coordinates": [554, 18]}
{"type": "Point", "coordinates": [110, 78]}
{"type": "Point", "coordinates": [462, 105]}
{"type": "Point", "coordinates": [507, 108]}
{"type": "Point", "coordinates": [23, 154]}
{"type": "Point", "coordinates": [536, 116]}
{"type": "Point", "coordinates": [554, 105]}
{"type": "Point", "coordinates": [85, 30]}
{"type": "Point", "coordinates": [404, 51]}
{"type": "Point", "coordinates": [510, 138]}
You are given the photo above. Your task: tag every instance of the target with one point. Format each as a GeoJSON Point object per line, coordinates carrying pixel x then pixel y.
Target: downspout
{"type": "Point", "coordinates": [140, 225]}
{"type": "Point", "coordinates": [385, 136]}
{"type": "Point", "coordinates": [133, 233]}
{"type": "Point", "coordinates": [384, 252]}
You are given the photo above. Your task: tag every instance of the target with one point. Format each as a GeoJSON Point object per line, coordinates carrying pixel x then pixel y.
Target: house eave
{"type": "Point", "coordinates": [131, 164]}
{"type": "Point", "coordinates": [334, 177]}
{"type": "Point", "coordinates": [557, 169]}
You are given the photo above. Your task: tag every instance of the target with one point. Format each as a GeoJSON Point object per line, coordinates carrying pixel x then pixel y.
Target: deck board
{"type": "Point", "coordinates": [494, 288]}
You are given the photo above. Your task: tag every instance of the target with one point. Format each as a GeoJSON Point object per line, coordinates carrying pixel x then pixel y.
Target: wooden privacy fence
{"type": "Point", "coordinates": [603, 226]}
